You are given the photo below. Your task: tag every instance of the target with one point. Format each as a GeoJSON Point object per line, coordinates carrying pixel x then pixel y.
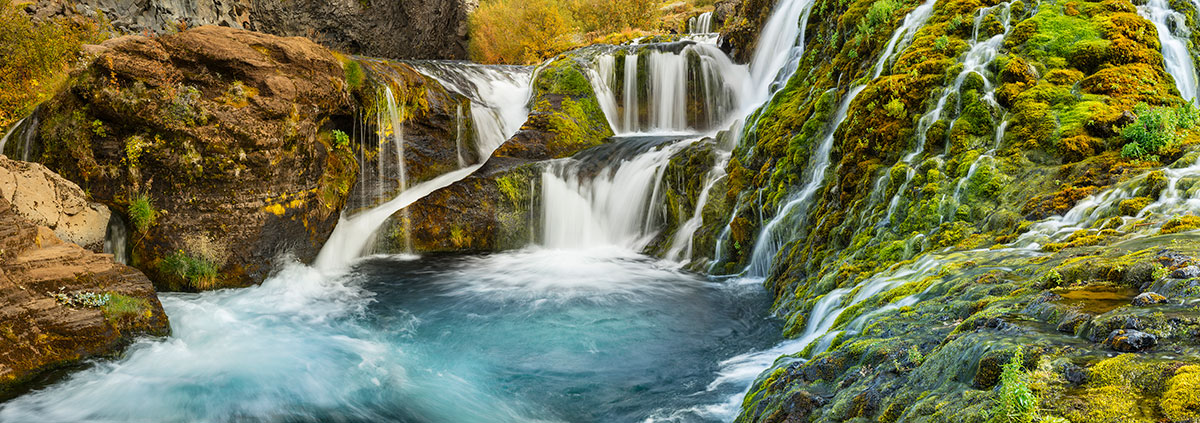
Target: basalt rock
{"type": "Point", "coordinates": [60, 303]}
{"type": "Point", "coordinates": [1148, 298]}
{"type": "Point", "coordinates": [216, 143]}
{"type": "Point", "coordinates": [409, 29]}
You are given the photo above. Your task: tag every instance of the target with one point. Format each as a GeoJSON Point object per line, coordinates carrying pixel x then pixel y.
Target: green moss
{"type": "Point", "coordinates": [1179, 224]}
{"type": "Point", "coordinates": [353, 74]}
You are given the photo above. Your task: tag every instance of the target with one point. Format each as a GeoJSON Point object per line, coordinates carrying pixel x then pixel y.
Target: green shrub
{"type": "Point", "coordinates": [1016, 404]}
{"type": "Point", "coordinates": [1154, 130]}
{"type": "Point", "coordinates": [197, 273]}
{"type": "Point", "coordinates": [353, 73]}
{"type": "Point", "coordinates": [141, 212]}
{"type": "Point", "coordinates": [879, 13]}
{"type": "Point", "coordinates": [340, 139]}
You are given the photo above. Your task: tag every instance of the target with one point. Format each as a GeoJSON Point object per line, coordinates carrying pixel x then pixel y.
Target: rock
{"type": "Point", "coordinates": [408, 29]}
{"type": "Point", "coordinates": [226, 136]}
{"type": "Point", "coordinates": [1072, 322]}
{"type": "Point", "coordinates": [1172, 259]}
{"type": "Point", "coordinates": [1186, 272]}
{"type": "Point", "coordinates": [739, 35]}
{"type": "Point", "coordinates": [1129, 340]}
{"type": "Point", "coordinates": [1148, 298]}
{"type": "Point", "coordinates": [46, 199]}
{"type": "Point", "coordinates": [39, 331]}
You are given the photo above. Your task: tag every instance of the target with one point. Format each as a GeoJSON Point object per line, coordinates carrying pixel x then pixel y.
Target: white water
{"type": "Point", "coordinates": [660, 103]}
{"type": "Point", "coordinates": [975, 61]}
{"type": "Point", "coordinates": [681, 243]}
{"type": "Point", "coordinates": [391, 126]}
{"type": "Point", "coordinates": [498, 94]}
{"type": "Point", "coordinates": [116, 240]}
{"type": "Point", "coordinates": [613, 208]}
{"type": "Point", "coordinates": [501, 109]}
{"type": "Point", "coordinates": [1176, 56]}
{"type": "Point", "coordinates": [7, 135]}
{"type": "Point", "coordinates": [780, 46]}
{"type": "Point", "coordinates": [701, 24]}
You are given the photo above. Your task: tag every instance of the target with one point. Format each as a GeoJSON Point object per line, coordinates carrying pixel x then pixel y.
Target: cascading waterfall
{"type": "Point", "coordinates": [1174, 36]}
{"type": "Point", "coordinates": [391, 126]}
{"type": "Point", "coordinates": [504, 98]}
{"type": "Point", "coordinates": [701, 24]}
{"type": "Point", "coordinates": [792, 214]}
{"type": "Point", "coordinates": [611, 208]}
{"type": "Point", "coordinates": [681, 243]}
{"type": "Point", "coordinates": [974, 61]}
{"type": "Point", "coordinates": [116, 240]}
{"type": "Point", "coordinates": [24, 132]}
{"type": "Point", "coordinates": [683, 87]}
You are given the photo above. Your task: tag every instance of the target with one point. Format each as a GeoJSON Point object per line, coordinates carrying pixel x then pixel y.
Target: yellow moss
{"type": "Point", "coordinates": [276, 209]}
{"type": "Point", "coordinates": [1181, 402]}
{"type": "Point", "coordinates": [1105, 405]}
{"type": "Point", "coordinates": [1180, 224]}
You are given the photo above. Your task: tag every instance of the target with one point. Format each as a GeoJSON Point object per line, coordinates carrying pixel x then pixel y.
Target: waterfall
{"type": "Point", "coordinates": [24, 132]}
{"type": "Point", "coordinates": [701, 24]}
{"type": "Point", "coordinates": [614, 206]}
{"type": "Point", "coordinates": [904, 34]}
{"type": "Point", "coordinates": [116, 239]}
{"type": "Point", "coordinates": [392, 125]}
{"type": "Point", "coordinates": [769, 239]}
{"type": "Point", "coordinates": [500, 97]}
{"type": "Point", "coordinates": [1173, 35]}
{"type": "Point", "coordinates": [681, 243]}
{"type": "Point", "coordinates": [974, 61]}
{"type": "Point", "coordinates": [683, 87]}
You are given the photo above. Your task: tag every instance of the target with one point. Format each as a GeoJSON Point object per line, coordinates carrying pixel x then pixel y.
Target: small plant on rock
{"type": "Point", "coordinates": [1016, 404]}
{"type": "Point", "coordinates": [141, 212]}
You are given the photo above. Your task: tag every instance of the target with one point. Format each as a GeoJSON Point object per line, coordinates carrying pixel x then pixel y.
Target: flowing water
{"type": "Point", "coordinates": [1174, 36]}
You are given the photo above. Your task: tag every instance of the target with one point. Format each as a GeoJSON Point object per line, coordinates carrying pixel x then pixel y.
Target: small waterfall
{"type": "Point", "coordinates": [116, 239]}
{"type": "Point", "coordinates": [498, 95]}
{"type": "Point", "coordinates": [612, 207]}
{"type": "Point", "coordinates": [780, 45]}
{"type": "Point", "coordinates": [976, 60]}
{"type": "Point", "coordinates": [458, 136]}
{"type": "Point", "coordinates": [904, 34]}
{"type": "Point", "coordinates": [24, 133]}
{"type": "Point", "coordinates": [1174, 36]}
{"type": "Point", "coordinates": [681, 243]}
{"type": "Point", "coordinates": [769, 239]}
{"type": "Point", "coordinates": [500, 100]}
{"type": "Point", "coordinates": [392, 125]}
{"type": "Point", "coordinates": [683, 87]}
{"type": "Point", "coordinates": [700, 24]}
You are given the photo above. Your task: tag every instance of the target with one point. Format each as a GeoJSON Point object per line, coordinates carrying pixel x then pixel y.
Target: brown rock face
{"type": "Point", "coordinates": [405, 29]}
{"type": "Point", "coordinates": [39, 331]}
{"type": "Point", "coordinates": [217, 143]}
{"type": "Point", "coordinates": [46, 199]}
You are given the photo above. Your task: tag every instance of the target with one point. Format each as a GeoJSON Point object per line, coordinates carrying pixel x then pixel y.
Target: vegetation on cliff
{"type": "Point", "coordinates": [35, 56]}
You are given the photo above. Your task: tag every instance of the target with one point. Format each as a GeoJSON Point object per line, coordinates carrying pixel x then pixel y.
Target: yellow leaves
{"type": "Point", "coordinates": [530, 31]}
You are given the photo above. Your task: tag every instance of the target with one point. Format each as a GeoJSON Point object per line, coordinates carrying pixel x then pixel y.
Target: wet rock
{"type": "Point", "coordinates": [1072, 373]}
{"type": "Point", "coordinates": [1186, 272]}
{"type": "Point", "coordinates": [227, 136]}
{"type": "Point", "coordinates": [1072, 322]}
{"type": "Point", "coordinates": [1173, 259]}
{"type": "Point", "coordinates": [1149, 298]}
{"type": "Point", "coordinates": [41, 331]}
{"type": "Point", "coordinates": [1129, 340]}
{"type": "Point", "coordinates": [988, 371]}
{"type": "Point", "coordinates": [46, 199]}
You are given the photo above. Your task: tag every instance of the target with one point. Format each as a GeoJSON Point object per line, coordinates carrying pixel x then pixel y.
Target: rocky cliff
{"type": "Point", "coordinates": [46, 199]}
{"type": "Point", "coordinates": [408, 29]}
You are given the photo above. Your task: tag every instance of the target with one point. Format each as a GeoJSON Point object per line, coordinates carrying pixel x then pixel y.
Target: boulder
{"type": "Point", "coordinates": [1129, 340]}
{"type": "Point", "coordinates": [1148, 298]}
{"type": "Point", "coordinates": [60, 303]}
{"type": "Point", "coordinates": [49, 200]}
{"type": "Point", "coordinates": [218, 144]}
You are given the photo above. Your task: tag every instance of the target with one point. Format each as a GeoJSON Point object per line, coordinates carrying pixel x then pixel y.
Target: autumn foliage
{"type": "Point", "coordinates": [529, 31]}
{"type": "Point", "coordinates": [35, 56]}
